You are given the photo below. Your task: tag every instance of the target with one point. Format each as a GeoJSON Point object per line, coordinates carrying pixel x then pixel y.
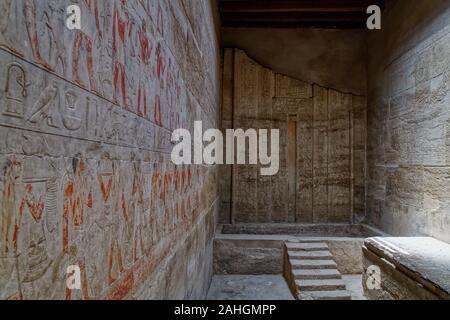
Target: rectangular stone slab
{"type": "Point", "coordinates": [425, 260]}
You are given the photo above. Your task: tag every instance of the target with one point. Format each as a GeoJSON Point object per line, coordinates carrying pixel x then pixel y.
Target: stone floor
{"type": "Point", "coordinates": [247, 287]}
{"type": "Point", "coordinates": [354, 286]}
{"type": "Point", "coordinates": [266, 287]}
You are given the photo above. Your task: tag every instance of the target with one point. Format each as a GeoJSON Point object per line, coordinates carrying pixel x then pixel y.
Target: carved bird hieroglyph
{"type": "Point", "coordinates": [42, 109]}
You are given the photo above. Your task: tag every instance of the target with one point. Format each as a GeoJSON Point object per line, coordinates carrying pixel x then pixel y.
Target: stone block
{"type": "Point", "coordinates": [411, 269]}
{"type": "Point", "coordinates": [234, 257]}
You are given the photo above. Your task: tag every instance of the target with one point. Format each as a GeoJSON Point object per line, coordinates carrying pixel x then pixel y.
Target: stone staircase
{"type": "Point", "coordinates": [312, 273]}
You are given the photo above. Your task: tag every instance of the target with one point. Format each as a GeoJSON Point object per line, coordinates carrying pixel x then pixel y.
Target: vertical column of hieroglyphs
{"type": "Point", "coordinates": [245, 194]}
{"type": "Point", "coordinates": [86, 117]}
{"type": "Point", "coordinates": [266, 92]}
{"type": "Point", "coordinates": [320, 155]}
{"type": "Point", "coordinates": [280, 191]}
{"type": "Point", "coordinates": [359, 157]}
{"type": "Point", "coordinates": [305, 155]}
{"type": "Point", "coordinates": [339, 153]}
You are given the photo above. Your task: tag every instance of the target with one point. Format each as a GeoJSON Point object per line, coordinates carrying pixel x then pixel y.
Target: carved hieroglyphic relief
{"type": "Point", "coordinates": [16, 90]}
{"type": "Point", "coordinates": [322, 147]}
{"type": "Point", "coordinates": [86, 118]}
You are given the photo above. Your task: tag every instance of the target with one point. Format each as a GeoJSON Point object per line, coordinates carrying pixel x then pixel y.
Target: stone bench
{"type": "Point", "coordinates": [411, 269]}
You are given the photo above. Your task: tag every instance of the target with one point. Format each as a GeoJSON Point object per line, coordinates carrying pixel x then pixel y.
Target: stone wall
{"type": "Point", "coordinates": [409, 120]}
{"type": "Point", "coordinates": [322, 148]}
{"type": "Point", "coordinates": [86, 178]}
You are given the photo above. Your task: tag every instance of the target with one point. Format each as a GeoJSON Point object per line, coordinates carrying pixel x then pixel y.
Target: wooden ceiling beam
{"type": "Point", "coordinates": [296, 24]}
{"type": "Point", "coordinates": [294, 16]}
{"type": "Point", "coordinates": [296, 13]}
{"type": "Point", "coordinates": [271, 6]}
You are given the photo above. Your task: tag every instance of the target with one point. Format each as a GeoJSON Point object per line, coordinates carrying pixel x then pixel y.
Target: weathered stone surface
{"type": "Point", "coordinates": [326, 295]}
{"type": "Point", "coordinates": [246, 242]}
{"type": "Point", "coordinates": [311, 272]}
{"type": "Point", "coordinates": [348, 255]}
{"type": "Point", "coordinates": [358, 170]}
{"type": "Point", "coordinates": [436, 201]}
{"type": "Point", "coordinates": [408, 117]}
{"type": "Point", "coordinates": [247, 257]}
{"type": "Point", "coordinates": [411, 268]}
{"type": "Point", "coordinates": [86, 119]}
{"type": "Point", "coordinates": [322, 147]}
{"type": "Point", "coordinates": [320, 155]}
{"type": "Point", "coordinates": [287, 87]}
{"type": "Point", "coordinates": [304, 152]}
{"type": "Point", "coordinates": [339, 164]}
{"type": "Point", "coordinates": [249, 287]}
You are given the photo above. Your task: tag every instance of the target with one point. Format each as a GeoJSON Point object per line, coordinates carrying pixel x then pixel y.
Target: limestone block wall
{"type": "Point", "coordinates": [322, 148]}
{"type": "Point", "coordinates": [85, 124]}
{"type": "Point", "coordinates": [409, 119]}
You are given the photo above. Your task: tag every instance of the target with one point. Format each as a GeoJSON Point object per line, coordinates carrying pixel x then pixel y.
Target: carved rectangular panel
{"type": "Point", "coordinates": [339, 152]}
{"type": "Point", "coordinates": [264, 183]}
{"type": "Point", "coordinates": [292, 166]}
{"type": "Point", "coordinates": [359, 157]}
{"type": "Point", "coordinates": [322, 149]}
{"type": "Point", "coordinates": [280, 186]}
{"type": "Point", "coordinates": [246, 87]}
{"type": "Point", "coordinates": [280, 181]}
{"type": "Point", "coordinates": [305, 153]}
{"type": "Point", "coordinates": [320, 155]}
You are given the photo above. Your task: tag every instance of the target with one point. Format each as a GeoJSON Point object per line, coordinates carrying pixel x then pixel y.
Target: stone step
{"type": "Point", "coordinates": [306, 241]}
{"type": "Point", "coordinates": [320, 285]}
{"type": "Point", "coordinates": [316, 274]}
{"type": "Point", "coordinates": [310, 255]}
{"type": "Point", "coordinates": [312, 264]}
{"type": "Point", "coordinates": [318, 246]}
{"type": "Point", "coordinates": [325, 295]}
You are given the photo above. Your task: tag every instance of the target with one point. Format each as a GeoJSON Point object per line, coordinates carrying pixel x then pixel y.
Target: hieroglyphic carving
{"type": "Point", "coordinates": [136, 209]}
{"type": "Point", "coordinates": [32, 29]}
{"type": "Point", "coordinates": [313, 184]}
{"type": "Point", "coordinates": [86, 44]}
{"type": "Point", "coordinates": [70, 120]}
{"type": "Point", "coordinates": [160, 69]}
{"type": "Point", "coordinates": [16, 90]}
{"type": "Point", "coordinates": [113, 193]}
{"type": "Point", "coordinates": [145, 47]}
{"type": "Point", "coordinates": [5, 8]}
{"type": "Point", "coordinates": [92, 117]}
{"type": "Point", "coordinates": [320, 155]}
{"type": "Point", "coordinates": [47, 107]}
{"type": "Point", "coordinates": [83, 41]}
{"type": "Point", "coordinates": [121, 25]}
{"type": "Point", "coordinates": [78, 204]}
{"type": "Point", "coordinates": [70, 96]}
{"type": "Point", "coordinates": [10, 214]}
{"type": "Point", "coordinates": [24, 215]}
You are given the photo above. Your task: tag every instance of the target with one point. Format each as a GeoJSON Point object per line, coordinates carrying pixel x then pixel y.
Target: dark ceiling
{"type": "Point", "coordinates": [339, 14]}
